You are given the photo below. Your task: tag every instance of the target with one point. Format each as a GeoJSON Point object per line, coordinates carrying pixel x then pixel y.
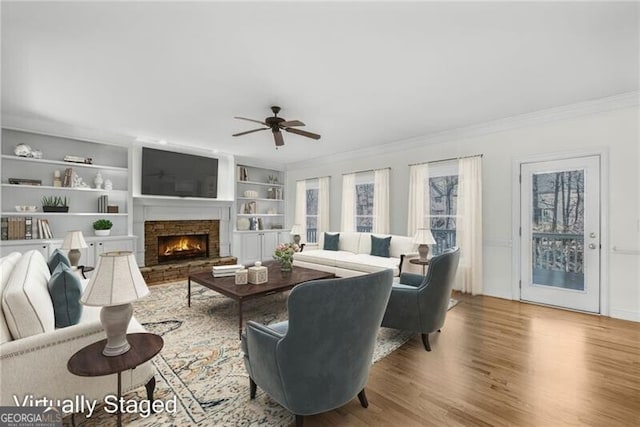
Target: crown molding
{"type": "Point", "coordinates": [610, 103]}
{"type": "Point", "coordinates": [64, 130]}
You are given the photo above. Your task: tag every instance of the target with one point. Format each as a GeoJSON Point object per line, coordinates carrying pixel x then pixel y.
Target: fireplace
{"type": "Point", "coordinates": [182, 247]}
{"type": "Point", "coordinates": [180, 241]}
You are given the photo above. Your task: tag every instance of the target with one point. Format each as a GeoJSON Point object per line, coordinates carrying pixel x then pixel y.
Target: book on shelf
{"type": "Point", "coordinates": [243, 174]}
{"type": "Point", "coordinates": [25, 181]}
{"type": "Point", "coordinates": [67, 179]}
{"type": "Point", "coordinates": [16, 228]}
{"type": "Point", "coordinates": [28, 228]}
{"type": "Point", "coordinates": [103, 203]}
{"type": "Point", "coordinates": [4, 228]}
{"type": "Point", "coordinates": [44, 231]}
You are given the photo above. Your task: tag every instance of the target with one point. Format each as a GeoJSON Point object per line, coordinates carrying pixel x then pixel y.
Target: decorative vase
{"type": "Point", "coordinates": [98, 181]}
{"type": "Point", "coordinates": [285, 265]}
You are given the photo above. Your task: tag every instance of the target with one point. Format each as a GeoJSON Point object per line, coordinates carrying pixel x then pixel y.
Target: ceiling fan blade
{"type": "Point", "coordinates": [289, 123]}
{"type": "Point", "coordinates": [249, 131]}
{"type": "Point", "coordinates": [251, 120]}
{"type": "Point", "coordinates": [303, 133]}
{"type": "Point", "coordinates": [278, 137]}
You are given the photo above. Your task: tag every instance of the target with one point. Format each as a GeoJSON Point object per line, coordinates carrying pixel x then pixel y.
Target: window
{"type": "Point", "coordinates": [311, 215]}
{"type": "Point", "coordinates": [364, 207]}
{"type": "Point", "coordinates": [442, 196]}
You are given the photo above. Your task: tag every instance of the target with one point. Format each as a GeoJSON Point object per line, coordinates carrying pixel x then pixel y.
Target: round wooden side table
{"type": "Point", "coordinates": [90, 362]}
{"type": "Point", "coordinates": [423, 263]}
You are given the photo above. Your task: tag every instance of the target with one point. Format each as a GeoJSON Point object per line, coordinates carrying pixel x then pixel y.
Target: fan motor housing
{"type": "Point", "coordinates": [272, 122]}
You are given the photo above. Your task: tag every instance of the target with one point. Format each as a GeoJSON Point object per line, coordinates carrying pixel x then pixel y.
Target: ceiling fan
{"type": "Point", "coordinates": [276, 124]}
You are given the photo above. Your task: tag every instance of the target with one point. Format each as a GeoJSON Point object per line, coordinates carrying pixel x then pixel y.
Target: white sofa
{"type": "Point", "coordinates": [33, 354]}
{"type": "Point", "coordinates": [353, 255]}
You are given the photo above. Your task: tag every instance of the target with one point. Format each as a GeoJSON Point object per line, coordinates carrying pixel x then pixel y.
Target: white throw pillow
{"type": "Point", "coordinates": [7, 264]}
{"type": "Point", "coordinates": [26, 302]}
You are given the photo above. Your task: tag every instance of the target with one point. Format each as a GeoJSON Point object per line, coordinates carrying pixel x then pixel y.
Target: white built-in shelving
{"type": "Point", "coordinates": [111, 161]}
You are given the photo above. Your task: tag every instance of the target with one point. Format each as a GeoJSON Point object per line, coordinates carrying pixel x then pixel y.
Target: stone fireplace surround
{"type": "Point", "coordinates": [149, 209]}
{"type": "Point", "coordinates": [154, 229]}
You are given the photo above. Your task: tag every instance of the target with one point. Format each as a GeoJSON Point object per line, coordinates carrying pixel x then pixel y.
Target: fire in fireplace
{"type": "Point", "coordinates": [187, 246]}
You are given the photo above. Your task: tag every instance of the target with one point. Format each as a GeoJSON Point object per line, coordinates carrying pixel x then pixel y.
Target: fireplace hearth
{"type": "Point", "coordinates": [182, 247]}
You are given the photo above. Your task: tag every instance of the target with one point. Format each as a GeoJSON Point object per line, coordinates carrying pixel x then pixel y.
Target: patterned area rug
{"type": "Point", "coordinates": [201, 362]}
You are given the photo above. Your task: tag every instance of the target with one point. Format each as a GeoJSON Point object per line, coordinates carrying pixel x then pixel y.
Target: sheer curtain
{"type": "Point", "coordinates": [419, 204]}
{"type": "Point", "coordinates": [300, 214]}
{"type": "Point", "coordinates": [324, 212]}
{"type": "Point", "coordinates": [469, 227]}
{"type": "Point", "coordinates": [381, 201]}
{"type": "Point", "coordinates": [348, 202]}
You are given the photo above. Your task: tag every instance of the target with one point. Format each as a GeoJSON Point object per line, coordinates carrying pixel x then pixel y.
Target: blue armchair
{"type": "Point", "coordinates": [320, 358]}
{"type": "Point", "coordinates": [420, 303]}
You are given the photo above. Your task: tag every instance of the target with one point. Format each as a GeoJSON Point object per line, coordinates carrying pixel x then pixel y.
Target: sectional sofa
{"type": "Point", "coordinates": [353, 257]}
{"type": "Point", "coordinates": [34, 354]}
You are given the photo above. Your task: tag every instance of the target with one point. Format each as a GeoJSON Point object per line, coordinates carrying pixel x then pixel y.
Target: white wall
{"type": "Point", "coordinates": [615, 131]}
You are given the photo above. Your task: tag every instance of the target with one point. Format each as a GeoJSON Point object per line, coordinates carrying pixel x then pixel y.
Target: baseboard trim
{"type": "Point", "coordinates": [617, 313]}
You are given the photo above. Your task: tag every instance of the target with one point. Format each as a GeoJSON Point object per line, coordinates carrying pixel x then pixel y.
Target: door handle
{"type": "Point", "coordinates": [592, 245]}
{"type": "Point", "coordinates": [592, 235]}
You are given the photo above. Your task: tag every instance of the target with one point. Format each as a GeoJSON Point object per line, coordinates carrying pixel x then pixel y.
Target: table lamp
{"type": "Point", "coordinates": [114, 285]}
{"type": "Point", "coordinates": [296, 230]}
{"type": "Point", "coordinates": [424, 238]}
{"type": "Point", "coordinates": [74, 240]}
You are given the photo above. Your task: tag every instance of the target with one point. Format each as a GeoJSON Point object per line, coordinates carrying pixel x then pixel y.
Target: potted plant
{"type": "Point", "coordinates": [102, 227]}
{"type": "Point", "coordinates": [54, 204]}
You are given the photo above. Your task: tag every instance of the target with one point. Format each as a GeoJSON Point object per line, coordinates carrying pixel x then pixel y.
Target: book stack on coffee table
{"type": "Point", "coordinates": [226, 270]}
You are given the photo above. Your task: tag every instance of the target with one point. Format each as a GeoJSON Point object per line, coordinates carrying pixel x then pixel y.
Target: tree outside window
{"type": "Point", "coordinates": [443, 200]}
{"type": "Point", "coordinates": [364, 207]}
{"type": "Point", "coordinates": [312, 215]}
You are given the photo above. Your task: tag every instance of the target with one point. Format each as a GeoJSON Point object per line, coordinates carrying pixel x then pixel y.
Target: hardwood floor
{"type": "Point", "coordinates": [500, 362]}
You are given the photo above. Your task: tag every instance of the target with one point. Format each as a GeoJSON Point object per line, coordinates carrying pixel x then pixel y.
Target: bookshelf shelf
{"type": "Point", "coordinates": [63, 163]}
{"type": "Point", "coordinates": [50, 187]}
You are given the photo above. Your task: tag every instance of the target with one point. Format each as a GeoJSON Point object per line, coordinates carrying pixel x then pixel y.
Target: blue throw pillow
{"type": "Point", "coordinates": [331, 241]}
{"type": "Point", "coordinates": [65, 290]}
{"type": "Point", "coordinates": [56, 258]}
{"type": "Point", "coordinates": [380, 246]}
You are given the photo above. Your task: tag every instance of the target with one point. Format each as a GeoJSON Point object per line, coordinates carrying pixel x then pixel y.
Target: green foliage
{"type": "Point", "coordinates": [102, 224]}
{"type": "Point", "coordinates": [55, 201]}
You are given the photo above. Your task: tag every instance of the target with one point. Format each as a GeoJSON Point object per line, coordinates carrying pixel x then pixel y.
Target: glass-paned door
{"type": "Point", "coordinates": [560, 234]}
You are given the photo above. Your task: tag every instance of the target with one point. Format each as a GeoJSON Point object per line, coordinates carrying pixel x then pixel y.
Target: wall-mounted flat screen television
{"type": "Point", "coordinates": [166, 173]}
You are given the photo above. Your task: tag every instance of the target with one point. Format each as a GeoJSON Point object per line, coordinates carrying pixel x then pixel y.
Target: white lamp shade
{"type": "Point", "coordinates": [115, 281]}
{"type": "Point", "coordinates": [296, 229]}
{"type": "Point", "coordinates": [424, 237]}
{"type": "Point", "coordinates": [74, 240]}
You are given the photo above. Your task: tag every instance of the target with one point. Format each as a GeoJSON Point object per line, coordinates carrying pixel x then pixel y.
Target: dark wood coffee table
{"type": "Point", "coordinates": [279, 281]}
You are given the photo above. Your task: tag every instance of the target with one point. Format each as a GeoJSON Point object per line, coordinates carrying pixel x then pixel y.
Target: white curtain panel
{"type": "Point", "coordinates": [324, 211]}
{"type": "Point", "coordinates": [469, 227]}
{"type": "Point", "coordinates": [348, 202]}
{"type": "Point", "coordinates": [419, 205]}
{"type": "Point", "coordinates": [381, 201]}
{"type": "Point", "coordinates": [300, 214]}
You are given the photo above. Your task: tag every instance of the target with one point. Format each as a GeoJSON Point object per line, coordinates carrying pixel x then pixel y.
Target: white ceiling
{"type": "Point", "coordinates": [360, 73]}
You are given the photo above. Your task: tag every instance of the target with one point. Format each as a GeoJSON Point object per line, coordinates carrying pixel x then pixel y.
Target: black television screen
{"type": "Point", "coordinates": [165, 173]}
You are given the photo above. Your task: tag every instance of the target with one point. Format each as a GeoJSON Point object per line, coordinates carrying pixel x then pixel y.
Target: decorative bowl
{"type": "Point", "coordinates": [243, 224]}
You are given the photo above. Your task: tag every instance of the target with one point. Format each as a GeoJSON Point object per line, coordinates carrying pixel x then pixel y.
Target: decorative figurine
{"type": "Point", "coordinates": [98, 181]}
